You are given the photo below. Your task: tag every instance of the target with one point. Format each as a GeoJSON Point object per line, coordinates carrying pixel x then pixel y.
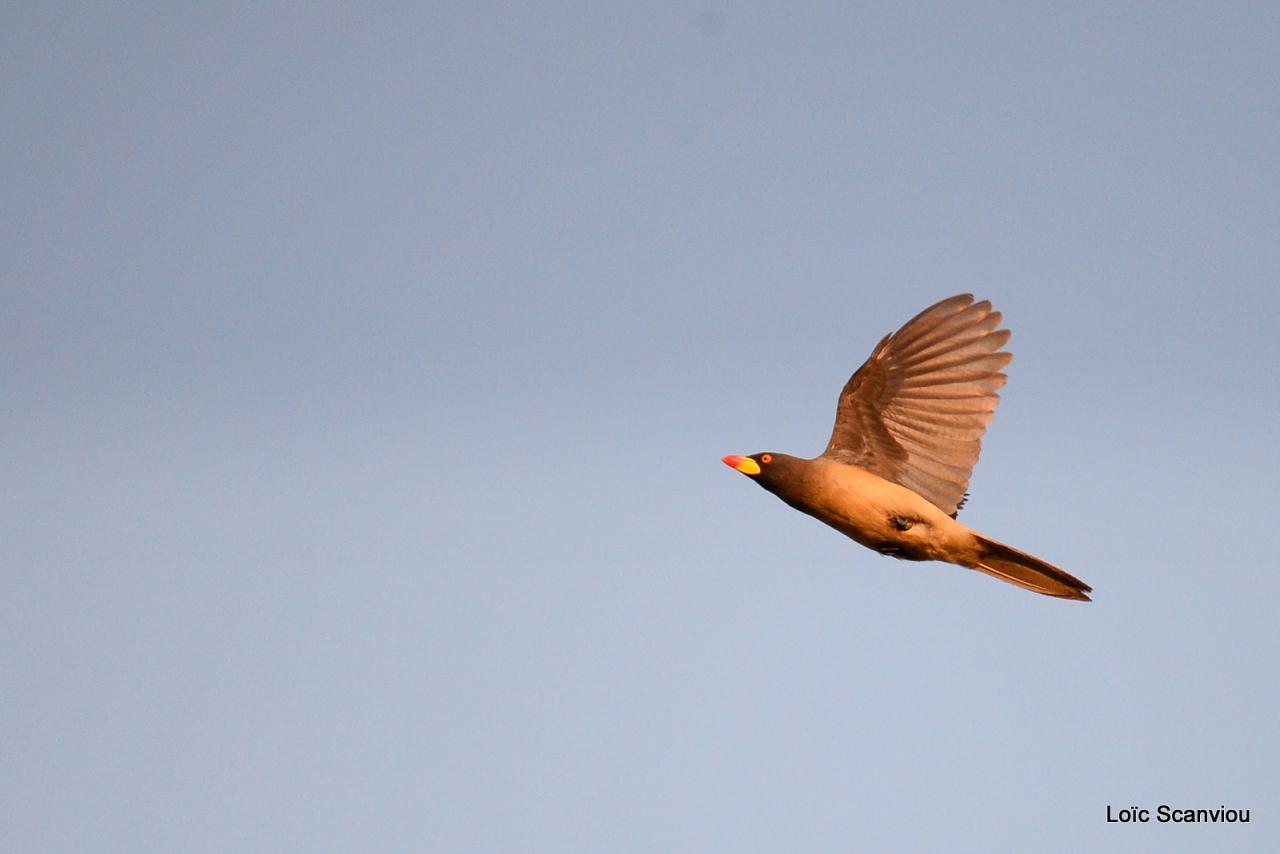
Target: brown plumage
{"type": "Point", "coordinates": [908, 431]}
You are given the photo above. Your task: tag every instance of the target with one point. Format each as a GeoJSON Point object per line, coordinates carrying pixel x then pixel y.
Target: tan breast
{"type": "Point", "coordinates": [864, 506]}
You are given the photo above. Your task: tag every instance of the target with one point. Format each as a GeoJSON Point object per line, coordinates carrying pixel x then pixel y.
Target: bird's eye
{"type": "Point", "coordinates": [766, 458]}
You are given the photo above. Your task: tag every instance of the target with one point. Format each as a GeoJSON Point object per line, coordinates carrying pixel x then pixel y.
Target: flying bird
{"type": "Point", "coordinates": [908, 430]}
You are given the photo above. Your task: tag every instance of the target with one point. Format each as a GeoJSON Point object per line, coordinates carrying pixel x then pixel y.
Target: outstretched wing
{"type": "Point", "coordinates": [915, 412]}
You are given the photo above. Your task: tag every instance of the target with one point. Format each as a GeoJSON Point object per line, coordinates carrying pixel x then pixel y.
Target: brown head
{"type": "Point", "coordinates": [781, 474]}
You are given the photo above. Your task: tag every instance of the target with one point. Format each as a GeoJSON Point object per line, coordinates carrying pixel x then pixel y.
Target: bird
{"type": "Point", "coordinates": [908, 430]}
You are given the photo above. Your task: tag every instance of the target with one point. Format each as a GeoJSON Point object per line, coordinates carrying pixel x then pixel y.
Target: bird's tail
{"type": "Point", "coordinates": [1009, 564]}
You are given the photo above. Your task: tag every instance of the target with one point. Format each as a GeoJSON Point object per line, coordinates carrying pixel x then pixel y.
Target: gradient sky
{"type": "Point", "coordinates": [367, 368]}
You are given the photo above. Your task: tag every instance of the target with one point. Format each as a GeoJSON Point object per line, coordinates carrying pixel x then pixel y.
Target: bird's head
{"type": "Point", "coordinates": [769, 468]}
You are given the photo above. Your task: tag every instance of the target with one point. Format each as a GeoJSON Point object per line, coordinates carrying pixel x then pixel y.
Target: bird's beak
{"type": "Point", "coordinates": [746, 465]}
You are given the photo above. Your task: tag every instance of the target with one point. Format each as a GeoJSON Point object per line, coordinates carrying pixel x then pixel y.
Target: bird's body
{"type": "Point", "coordinates": [875, 512]}
{"type": "Point", "coordinates": [908, 430]}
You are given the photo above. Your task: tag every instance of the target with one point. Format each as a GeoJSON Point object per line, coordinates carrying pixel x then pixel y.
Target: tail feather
{"type": "Point", "coordinates": [1031, 573]}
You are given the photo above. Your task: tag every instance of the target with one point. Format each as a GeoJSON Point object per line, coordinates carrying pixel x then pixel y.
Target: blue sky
{"type": "Point", "coordinates": [367, 371]}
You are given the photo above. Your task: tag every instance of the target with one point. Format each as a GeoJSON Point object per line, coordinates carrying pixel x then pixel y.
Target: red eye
{"type": "Point", "coordinates": [766, 458]}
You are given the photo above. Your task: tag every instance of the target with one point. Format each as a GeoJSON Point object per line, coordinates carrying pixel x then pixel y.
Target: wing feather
{"type": "Point", "coordinates": [916, 410]}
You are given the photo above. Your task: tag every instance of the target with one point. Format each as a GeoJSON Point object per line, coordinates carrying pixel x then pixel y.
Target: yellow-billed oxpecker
{"type": "Point", "coordinates": [908, 430]}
